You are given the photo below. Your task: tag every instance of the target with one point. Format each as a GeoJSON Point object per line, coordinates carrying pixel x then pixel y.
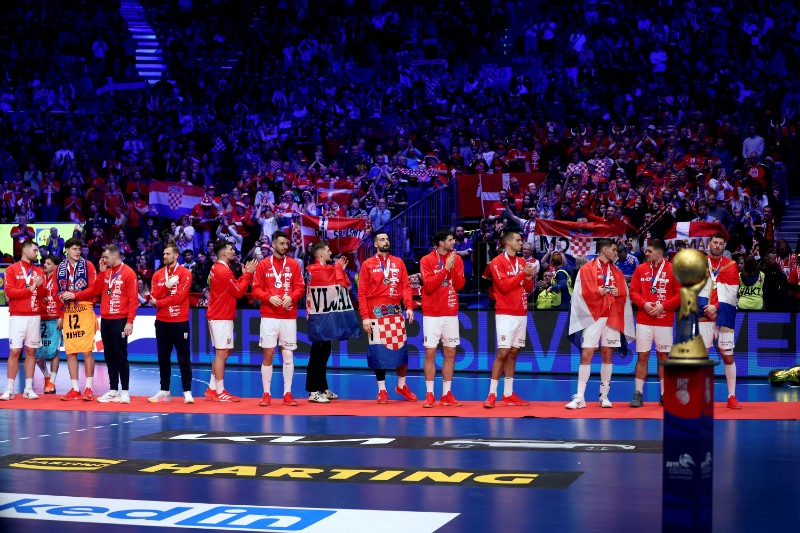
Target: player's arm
{"type": "Point", "coordinates": [259, 283]}
{"type": "Point", "coordinates": [405, 289]}
{"type": "Point", "coordinates": [363, 290]}
{"type": "Point", "coordinates": [159, 290]}
{"type": "Point", "coordinates": [674, 300]}
{"type": "Point", "coordinates": [340, 275]}
{"type": "Point", "coordinates": [238, 288]}
{"type": "Point", "coordinates": [95, 287]}
{"type": "Point", "coordinates": [15, 289]}
{"type": "Point", "coordinates": [184, 284]}
{"type": "Point", "coordinates": [133, 295]}
{"type": "Point", "coordinates": [505, 283]}
{"type": "Point", "coordinates": [458, 274]}
{"type": "Point", "coordinates": [298, 285]}
{"type": "Point", "coordinates": [430, 281]}
{"type": "Point", "coordinates": [636, 290]}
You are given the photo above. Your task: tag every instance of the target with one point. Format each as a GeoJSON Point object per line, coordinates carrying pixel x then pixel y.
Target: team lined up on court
{"type": "Point", "coordinates": [56, 302]}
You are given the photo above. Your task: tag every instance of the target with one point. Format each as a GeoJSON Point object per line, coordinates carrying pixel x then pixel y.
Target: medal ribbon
{"type": "Point", "coordinates": [274, 272]}
{"type": "Point", "coordinates": [655, 275]}
{"type": "Point", "coordinates": [441, 265]}
{"type": "Point", "coordinates": [112, 278]}
{"type": "Point", "coordinates": [714, 273]}
{"type": "Point", "coordinates": [514, 265]}
{"type": "Point", "coordinates": [27, 276]}
{"type": "Point", "coordinates": [384, 267]}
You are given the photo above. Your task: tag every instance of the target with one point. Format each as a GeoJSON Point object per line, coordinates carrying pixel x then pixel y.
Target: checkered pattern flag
{"type": "Point", "coordinates": [580, 235]}
{"type": "Point", "coordinates": [391, 332]}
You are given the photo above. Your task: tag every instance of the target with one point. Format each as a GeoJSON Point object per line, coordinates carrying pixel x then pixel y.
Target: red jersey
{"type": "Point", "coordinates": [383, 281]}
{"type": "Point", "coordinates": [20, 235]}
{"type": "Point", "coordinates": [172, 303]}
{"type": "Point", "coordinates": [51, 307]}
{"type": "Point", "coordinates": [669, 294]}
{"type": "Point", "coordinates": [118, 288]}
{"type": "Point", "coordinates": [440, 286]}
{"type": "Point", "coordinates": [21, 300]}
{"type": "Point", "coordinates": [272, 272]}
{"type": "Point", "coordinates": [794, 278]}
{"type": "Point", "coordinates": [134, 216]}
{"type": "Point", "coordinates": [788, 264]}
{"type": "Point", "coordinates": [510, 285]}
{"type": "Point", "coordinates": [224, 289]}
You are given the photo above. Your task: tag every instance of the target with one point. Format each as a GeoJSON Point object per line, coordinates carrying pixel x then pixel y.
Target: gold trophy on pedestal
{"type": "Point", "coordinates": [691, 270]}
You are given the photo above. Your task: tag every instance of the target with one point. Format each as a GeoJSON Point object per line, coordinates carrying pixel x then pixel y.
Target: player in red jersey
{"type": "Point", "coordinates": [224, 289]}
{"type": "Point", "coordinates": [278, 285]}
{"type": "Point", "coordinates": [442, 278]}
{"type": "Point", "coordinates": [656, 294]}
{"type": "Point", "coordinates": [512, 278]}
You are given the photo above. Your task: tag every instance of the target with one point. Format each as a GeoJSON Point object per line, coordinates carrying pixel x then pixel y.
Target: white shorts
{"type": "Point", "coordinates": [710, 332]}
{"type": "Point", "coordinates": [221, 334]}
{"type": "Point", "coordinates": [599, 333]}
{"type": "Point", "coordinates": [25, 330]}
{"type": "Point", "coordinates": [276, 331]}
{"type": "Point", "coordinates": [440, 328]}
{"type": "Point", "coordinates": [647, 335]}
{"type": "Point", "coordinates": [512, 331]}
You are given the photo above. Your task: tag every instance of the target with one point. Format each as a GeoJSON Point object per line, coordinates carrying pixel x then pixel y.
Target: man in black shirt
{"type": "Point", "coordinates": [396, 197]}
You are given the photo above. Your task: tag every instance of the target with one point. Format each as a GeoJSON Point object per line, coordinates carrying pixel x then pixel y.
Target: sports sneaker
{"type": "Point", "coordinates": [331, 395]}
{"type": "Point", "coordinates": [661, 400]}
{"type": "Point", "coordinates": [490, 400]}
{"type": "Point", "coordinates": [49, 386]}
{"type": "Point", "coordinates": [28, 394]}
{"type": "Point", "coordinates": [265, 400]}
{"type": "Point", "coordinates": [406, 393]}
{"type": "Point", "coordinates": [604, 401]}
{"type": "Point", "coordinates": [160, 396]}
{"type": "Point", "coordinates": [125, 397]}
{"type": "Point", "coordinates": [7, 395]}
{"type": "Point", "coordinates": [288, 399]}
{"type": "Point", "coordinates": [513, 400]}
{"type": "Point", "coordinates": [430, 400]}
{"type": "Point", "coordinates": [383, 396]}
{"type": "Point", "coordinates": [188, 398]}
{"type": "Point", "coordinates": [226, 397]}
{"type": "Point", "coordinates": [110, 396]}
{"type": "Point", "coordinates": [637, 399]}
{"type": "Point", "coordinates": [576, 403]}
{"type": "Point", "coordinates": [449, 400]}
{"type": "Point", "coordinates": [318, 397]}
{"type": "Point", "coordinates": [733, 403]}
{"type": "Point", "coordinates": [210, 393]}
{"type": "Point", "coordinates": [71, 395]}
{"type": "Point", "coordinates": [88, 396]}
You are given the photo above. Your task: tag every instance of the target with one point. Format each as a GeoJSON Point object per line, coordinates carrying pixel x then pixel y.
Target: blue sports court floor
{"type": "Point", "coordinates": [96, 471]}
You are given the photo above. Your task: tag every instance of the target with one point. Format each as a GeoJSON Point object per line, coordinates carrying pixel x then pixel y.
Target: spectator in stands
{"type": "Point", "coordinates": [19, 234]}
{"type": "Point", "coordinates": [751, 286]}
{"type": "Point", "coordinates": [626, 262]}
{"type": "Point", "coordinates": [777, 296]}
{"type": "Point", "coordinates": [380, 215]}
{"type": "Point", "coordinates": [53, 245]}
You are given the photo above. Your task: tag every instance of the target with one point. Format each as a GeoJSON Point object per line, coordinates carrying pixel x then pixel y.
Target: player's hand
{"type": "Point", "coordinates": [60, 323]}
{"type": "Point", "coordinates": [37, 281]}
{"type": "Point", "coordinates": [343, 262]}
{"type": "Point", "coordinates": [366, 324]}
{"type": "Point", "coordinates": [153, 302]}
{"type": "Point", "coordinates": [710, 311]}
{"type": "Point", "coordinates": [251, 266]}
{"type": "Point", "coordinates": [529, 270]}
{"type": "Point", "coordinates": [658, 309]}
{"type": "Point", "coordinates": [128, 330]}
{"type": "Point", "coordinates": [451, 260]}
{"type": "Point", "coordinates": [410, 316]}
{"type": "Point", "coordinates": [287, 302]}
{"type": "Point", "coordinates": [276, 301]}
{"type": "Point", "coordinates": [614, 291]}
{"type": "Point", "coordinates": [67, 296]}
{"type": "Point", "coordinates": [648, 308]}
{"type": "Point", "coordinates": [102, 265]}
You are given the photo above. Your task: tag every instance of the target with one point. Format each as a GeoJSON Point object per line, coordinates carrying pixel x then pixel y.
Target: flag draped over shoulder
{"type": "Point", "coordinates": [588, 305]}
{"type": "Point", "coordinates": [727, 285]}
{"type": "Point", "coordinates": [581, 235]}
{"type": "Point", "coordinates": [329, 309]}
{"type": "Point", "coordinates": [342, 234]}
{"type": "Point", "coordinates": [172, 200]}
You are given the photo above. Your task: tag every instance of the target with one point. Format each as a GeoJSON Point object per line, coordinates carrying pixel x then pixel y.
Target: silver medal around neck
{"type": "Point", "coordinates": [386, 281]}
{"type": "Point", "coordinates": [278, 285]}
{"type": "Point", "coordinates": [445, 283]}
{"type": "Point", "coordinates": [653, 290]}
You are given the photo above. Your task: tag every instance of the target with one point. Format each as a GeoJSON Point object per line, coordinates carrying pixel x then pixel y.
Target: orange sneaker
{"type": "Point", "coordinates": [226, 397]}
{"type": "Point", "coordinates": [49, 386]}
{"type": "Point", "coordinates": [733, 403]}
{"type": "Point", "coordinates": [406, 393]}
{"type": "Point", "coordinates": [265, 400]}
{"type": "Point", "coordinates": [383, 396]}
{"type": "Point", "coordinates": [210, 393]}
{"type": "Point", "coordinates": [513, 400]}
{"type": "Point", "coordinates": [288, 399]}
{"type": "Point", "coordinates": [71, 395]}
{"type": "Point", "coordinates": [87, 395]}
{"type": "Point", "coordinates": [449, 400]}
{"type": "Point", "coordinates": [491, 400]}
{"type": "Point", "coordinates": [430, 400]}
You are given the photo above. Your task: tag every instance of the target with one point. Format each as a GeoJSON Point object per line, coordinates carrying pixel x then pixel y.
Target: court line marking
{"type": "Point", "coordinates": [86, 429]}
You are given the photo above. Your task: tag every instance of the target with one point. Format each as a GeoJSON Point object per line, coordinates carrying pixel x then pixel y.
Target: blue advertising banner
{"type": "Point", "coordinates": [764, 341]}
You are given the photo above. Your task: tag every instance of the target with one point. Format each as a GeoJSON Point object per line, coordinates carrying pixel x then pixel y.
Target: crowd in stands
{"type": "Point", "coordinates": [672, 111]}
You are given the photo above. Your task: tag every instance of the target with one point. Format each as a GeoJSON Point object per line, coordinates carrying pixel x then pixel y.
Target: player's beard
{"type": "Point", "coordinates": [385, 249]}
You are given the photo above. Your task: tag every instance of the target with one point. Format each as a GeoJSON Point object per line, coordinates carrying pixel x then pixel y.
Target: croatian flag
{"type": "Point", "coordinates": [342, 234]}
{"type": "Point", "coordinates": [580, 235]}
{"type": "Point", "coordinates": [172, 200]}
{"type": "Point", "coordinates": [330, 311]}
{"type": "Point", "coordinates": [724, 293]}
{"type": "Point", "coordinates": [695, 234]}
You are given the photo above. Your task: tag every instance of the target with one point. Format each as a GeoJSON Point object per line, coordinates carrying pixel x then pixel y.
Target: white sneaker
{"type": "Point", "coordinates": [331, 395]}
{"type": "Point", "coordinates": [28, 394]}
{"type": "Point", "coordinates": [7, 395]}
{"type": "Point", "coordinates": [576, 403]}
{"type": "Point", "coordinates": [187, 397]}
{"type": "Point", "coordinates": [110, 396]}
{"type": "Point", "coordinates": [160, 396]}
{"type": "Point", "coordinates": [124, 397]}
{"type": "Point", "coordinates": [604, 401]}
{"type": "Point", "coordinates": [318, 398]}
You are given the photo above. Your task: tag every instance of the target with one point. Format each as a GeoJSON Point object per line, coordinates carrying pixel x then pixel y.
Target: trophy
{"type": "Point", "coordinates": [691, 270]}
{"type": "Point", "coordinates": [790, 376]}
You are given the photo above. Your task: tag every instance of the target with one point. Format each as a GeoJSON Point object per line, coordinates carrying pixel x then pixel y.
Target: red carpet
{"type": "Point", "coordinates": [249, 406]}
